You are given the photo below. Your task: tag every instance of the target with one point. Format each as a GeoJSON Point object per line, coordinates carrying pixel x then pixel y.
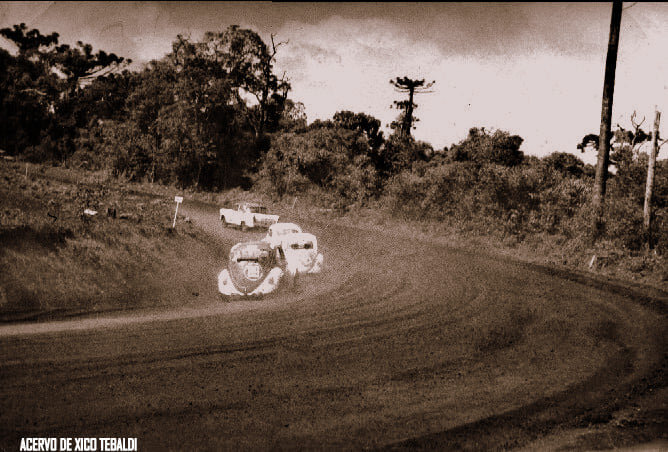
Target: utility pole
{"type": "Point", "coordinates": [647, 208]}
{"type": "Point", "coordinates": [606, 116]}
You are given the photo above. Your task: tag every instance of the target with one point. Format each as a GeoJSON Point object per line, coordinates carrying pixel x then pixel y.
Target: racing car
{"type": "Point", "coordinates": [299, 252]}
{"type": "Point", "coordinates": [252, 269]}
{"type": "Point", "coordinates": [277, 231]}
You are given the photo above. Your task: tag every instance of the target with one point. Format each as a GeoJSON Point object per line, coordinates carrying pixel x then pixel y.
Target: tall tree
{"type": "Point", "coordinates": [404, 123]}
{"type": "Point", "coordinates": [29, 41]}
{"type": "Point", "coordinates": [203, 125]}
{"type": "Point", "coordinates": [34, 61]}
{"type": "Point", "coordinates": [38, 102]}
{"type": "Point", "coordinates": [28, 91]}
{"type": "Point", "coordinates": [80, 64]}
{"type": "Point", "coordinates": [250, 65]}
{"type": "Point", "coordinates": [606, 115]}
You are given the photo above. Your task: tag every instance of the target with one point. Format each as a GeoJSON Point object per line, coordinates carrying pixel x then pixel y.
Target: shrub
{"type": "Point", "coordinates": [561, 202]}
{"type": "Point", "coordinates": [334, 160]}
{"type": "Point", "coordinates": [565, 163]}
{"type": "Point", "coordinates": [480, 146]}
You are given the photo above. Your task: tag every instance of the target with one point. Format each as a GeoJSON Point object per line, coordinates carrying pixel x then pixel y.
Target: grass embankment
{"type": "Point", "coordinates": [57, 261]}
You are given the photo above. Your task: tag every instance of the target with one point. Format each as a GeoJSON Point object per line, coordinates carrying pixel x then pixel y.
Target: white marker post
{"type": "Point", "coordinates": [179, 200]}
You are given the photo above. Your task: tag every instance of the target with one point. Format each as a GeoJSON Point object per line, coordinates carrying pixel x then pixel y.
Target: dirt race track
{"type": "Point", "coordinates": [399, 344]}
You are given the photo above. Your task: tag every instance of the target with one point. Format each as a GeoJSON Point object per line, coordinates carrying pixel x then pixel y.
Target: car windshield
{"type": "Point", "coordinates": [302, 246]}
{"type": "Point", "coordinates": [247, 259]}
{"type": "Point", "coordinates": [257, 209]}
{"type": "Point", "coordinates": [263, 259]}
{"type": "Point", "coordinates": [250, 253]}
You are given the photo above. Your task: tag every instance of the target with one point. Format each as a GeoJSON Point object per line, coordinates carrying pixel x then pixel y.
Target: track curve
{"type": "Point", "coordinates": [400, 343]}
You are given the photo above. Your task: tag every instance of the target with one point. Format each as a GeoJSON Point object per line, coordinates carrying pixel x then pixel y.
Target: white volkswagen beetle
{"type": "Point", "coordinates": [278, 231]}
{"type": "Point", "coordinates": [252, 269]}
{"type": "Point", "coordinates": [299, 250]}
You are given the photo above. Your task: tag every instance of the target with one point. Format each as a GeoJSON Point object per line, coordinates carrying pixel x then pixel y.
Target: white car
{"type": "Point", "coordinates": [299, 252]}
{"type": "Point", "coordinates": [277, 231]}
{"type": "Point", "coordinates": [252, 269]}
{"type": "Point", "coordinates": [247, 215]}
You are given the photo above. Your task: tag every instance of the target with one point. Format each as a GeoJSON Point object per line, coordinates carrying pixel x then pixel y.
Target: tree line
{"type": "Point", "coordinates": [213, 114]}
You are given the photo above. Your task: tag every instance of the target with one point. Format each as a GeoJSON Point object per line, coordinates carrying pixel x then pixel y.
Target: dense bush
{"type": "Point", "coordinates": [561, 203]}
{"type": "Point", "coordinates": [565, 163]}
{"type": "Point", "coordinates": [402, 153]}
{"type": "Point", "coordinates": [439, 192]}
{"type": "Point", "coordinates": [328, 159]}
{"type": "Point", "coordinates": [626, 200]}
{"type": "Point", "coordinates": [542, 196]}
{"type": "Point", "coordinates": [484, 147]}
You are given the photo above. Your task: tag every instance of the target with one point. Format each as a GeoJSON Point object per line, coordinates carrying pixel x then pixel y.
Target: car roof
{"type": "Point", "coordinates": [276, 226]}
{"type": "Point", "coordinates": [254, 245]}
{"type": "Point", "coordinates": [297, 237]}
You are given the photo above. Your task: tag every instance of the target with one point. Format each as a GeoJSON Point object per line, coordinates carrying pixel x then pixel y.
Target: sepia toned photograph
{"type": "Point", "coordinates": [333, 226]}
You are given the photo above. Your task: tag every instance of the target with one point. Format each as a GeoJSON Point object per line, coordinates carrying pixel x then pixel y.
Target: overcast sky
{"type": "Point", "coordinates": [535, 70]}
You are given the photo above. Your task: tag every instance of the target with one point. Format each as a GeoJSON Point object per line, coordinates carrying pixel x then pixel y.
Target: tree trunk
{"type": "Point", "coordinates": [408, 123]}
{"type": "Point", "coordinates": [647, 209]}
{"type": "Point", "coordinates": [606, 116]}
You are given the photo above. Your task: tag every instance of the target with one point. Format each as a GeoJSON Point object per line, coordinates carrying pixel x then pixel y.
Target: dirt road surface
{"type": "Point", "coordinates": [399, 344]}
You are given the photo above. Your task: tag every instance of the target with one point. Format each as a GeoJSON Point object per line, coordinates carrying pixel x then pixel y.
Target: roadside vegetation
{"type": "Point", "coordinates": [213, 118]}
{"type": "Point", "coordinates": [59, 261]}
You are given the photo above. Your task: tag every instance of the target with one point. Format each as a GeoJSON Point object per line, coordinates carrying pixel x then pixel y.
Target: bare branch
{"type": "Point", "coordinates": [115, 67]}
{"type": "Point", "coordinates": [275, 46]}
{"type": "Point", "coordinates": [34, 91]}
{"type": "Point", "coordinates": [636, 126]}
{"type": "Point", "coordinates": [630, 6]}
{"type": "Point", "coordinates": [636, 129]}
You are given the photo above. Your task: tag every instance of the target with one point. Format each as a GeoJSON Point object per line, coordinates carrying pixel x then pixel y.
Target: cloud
{"type": "Point", "coordinates": [533, 69]}
{"type": "Point", "coordinates": [347, 64]}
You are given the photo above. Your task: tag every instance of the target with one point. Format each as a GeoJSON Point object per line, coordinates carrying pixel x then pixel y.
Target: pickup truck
{"type": "Point", "coordinates": [247, 215]}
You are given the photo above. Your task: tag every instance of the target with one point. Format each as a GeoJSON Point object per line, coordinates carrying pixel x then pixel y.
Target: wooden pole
{"type": "Point", "coordinates": [606, 116]}
{"type": "Point", "coordinates": [179, 200]}
{"type": "Point", "coordinates": [176, 212]}
{"type": "Point", "coordinates": [647, 208]}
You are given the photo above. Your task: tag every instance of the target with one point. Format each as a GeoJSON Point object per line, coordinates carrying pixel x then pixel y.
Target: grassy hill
{"type": "Point", "coordinates": [59, 261]}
